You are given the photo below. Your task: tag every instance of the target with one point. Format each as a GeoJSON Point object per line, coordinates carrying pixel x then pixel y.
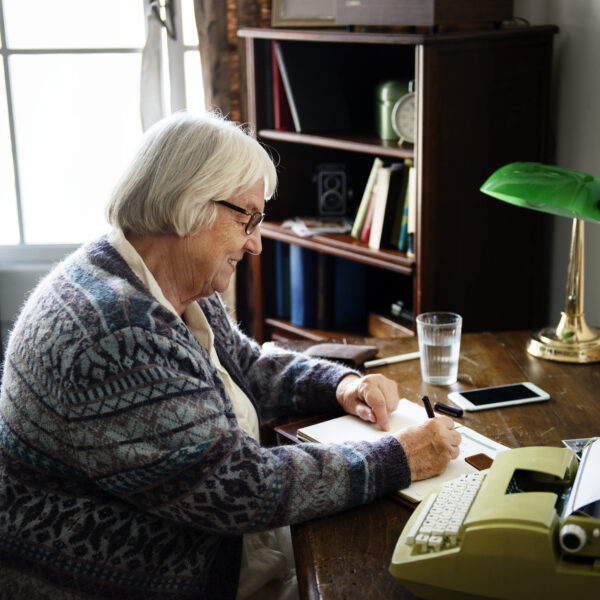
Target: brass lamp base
{"type": "Point", "coordinates": [571, 341]}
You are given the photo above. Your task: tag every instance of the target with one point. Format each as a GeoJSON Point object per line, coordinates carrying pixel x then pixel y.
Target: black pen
{"type": "Point", "coordinates": [449, 410]}
{"type": "Point", "coordinates": [428, 408]}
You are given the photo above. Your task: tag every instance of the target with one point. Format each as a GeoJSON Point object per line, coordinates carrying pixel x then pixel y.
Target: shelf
{"type": "Point", "coordinates": [367, 143]}
{"type": "Point", "coordinates": [397, 37]}
{"type": "Point", "coordinates": [282, 329]}
{"type": "Point", "coordinates": [344, 246]}
{"type": "Point", "coordinates": [332, 35]}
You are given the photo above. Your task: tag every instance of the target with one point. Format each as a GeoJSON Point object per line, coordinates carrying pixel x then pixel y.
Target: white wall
{"type": "Point", "coordinates": [576, 125]}
{"type": "Point", "coordinates": [20, 271]}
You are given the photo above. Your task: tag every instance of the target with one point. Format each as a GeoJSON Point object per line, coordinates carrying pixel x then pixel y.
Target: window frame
{"type": "Point", "coordinates": [27, 253]}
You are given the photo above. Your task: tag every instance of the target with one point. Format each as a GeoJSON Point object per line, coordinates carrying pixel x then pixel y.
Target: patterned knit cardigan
{"type": "Point", "coordinates": [123, 471]}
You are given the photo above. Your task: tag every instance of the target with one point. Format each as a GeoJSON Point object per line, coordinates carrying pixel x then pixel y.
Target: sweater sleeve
{"type": "Point", "coordinates": [161, 434]}
{"type": "Point", "coordinates": [283, 382]}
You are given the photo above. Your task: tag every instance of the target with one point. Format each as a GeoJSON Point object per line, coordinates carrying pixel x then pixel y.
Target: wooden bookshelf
{"type": "Point", "coordinates": [357, 142]}
{"type": "Point", "coordinates": [482, 101]}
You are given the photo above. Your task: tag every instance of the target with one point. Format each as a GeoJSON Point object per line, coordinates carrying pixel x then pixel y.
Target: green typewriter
{"type": "Point", "coordinates": [528, 527]}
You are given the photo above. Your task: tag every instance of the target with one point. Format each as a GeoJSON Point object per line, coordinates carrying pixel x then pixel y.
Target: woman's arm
{"type": "Point", "coordinates": [283, 382]}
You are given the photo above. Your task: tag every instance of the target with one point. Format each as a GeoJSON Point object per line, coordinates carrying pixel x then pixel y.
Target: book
{"type": "Point", "coordinates": [325, 291]}
{"type": "Point", "coordinates": [363, 207]}
{"type": "Point", "coordinates": [353, 355]}
{"type": "Point", "coordinates": [379, 204]}
{"type": "Point", "coordinates": [408, 191]}
{"type": "Point", "coordinates": [286, 85]}
{"type": "Point", "coordinates": [282, 116]}
{"type": "Point", "coordinates": [402, 207]}
{"type": "Point", "coordinates": [351, 428]}
{"type": "Point", "coordinates": [303, 286]}
{"type": "Point", "coordinates": [349, 302]}
{"type": "Point", "coordinates": [300, 63]}
{"type": "Point", "coordinates": [366, 230]}
{"type": "Point", "coordinates": [394, 204]}
{"type": "Point", "coordinates": [412, 212]}
{"type": "Point", "coordinates": [401, 240]}
{"type": "Point", "coordinates": [282, 279]}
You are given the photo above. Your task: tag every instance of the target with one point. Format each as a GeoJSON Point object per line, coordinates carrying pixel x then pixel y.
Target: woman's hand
{"type": "Point", "coordinates": [429, 446]}
{"type": "Point", "coordinates": [372, 397]}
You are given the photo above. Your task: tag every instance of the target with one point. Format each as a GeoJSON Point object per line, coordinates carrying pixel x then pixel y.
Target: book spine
{"type": "Point", "coordinates": [282, 279]}
{"type": "Point", "coordinates": [366, 230]}
{"type": "Point", "coordinates": [412, 212]}
{"type": "Point", "coordinates": [363, 207]}
{"type": "Point", "coordinates": [303, 286]}
{"type": "Point", "coordinates": [324, 292]}
{"type": "Point", "coordinates": [287, 86]}
{"type": "Point", "coordinates": [403, 227]}
{"type": "Point", "coordinates": [350, 304]}
{"type": "Point", "coordinates": [380, 202]}
{"type": "Point", "coordinates": [394, 204]}
{"type": "Point", "coordinates": [282, 117]}
{"type": "Point", "coordinates": [401, 206]}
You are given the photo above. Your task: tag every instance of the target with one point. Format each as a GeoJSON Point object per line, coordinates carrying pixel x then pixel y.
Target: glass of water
{"type": "Point", "coordinates": [439, 345]}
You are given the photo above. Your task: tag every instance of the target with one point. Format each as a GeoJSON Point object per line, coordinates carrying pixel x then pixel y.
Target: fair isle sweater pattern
{"type": "Point", "coordinates": [123, 472]}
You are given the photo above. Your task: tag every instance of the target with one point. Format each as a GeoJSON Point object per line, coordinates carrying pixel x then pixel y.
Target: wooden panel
{"type": "Point", "coordinates": [478, 256]}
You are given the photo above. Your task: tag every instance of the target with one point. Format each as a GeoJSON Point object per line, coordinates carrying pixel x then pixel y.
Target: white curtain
{"type": "Point", "coordinates": [152, 95]}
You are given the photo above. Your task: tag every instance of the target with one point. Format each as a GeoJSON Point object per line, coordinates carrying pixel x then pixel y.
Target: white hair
{"type": "Point", "coordinates": [185, 162]}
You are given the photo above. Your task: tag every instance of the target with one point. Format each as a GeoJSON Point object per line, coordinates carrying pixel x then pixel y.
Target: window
{"type": "Point", "coordinates": [70, 109]}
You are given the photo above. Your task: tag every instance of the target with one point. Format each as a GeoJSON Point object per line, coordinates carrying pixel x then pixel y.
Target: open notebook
{"type": "Point", "coordinates": [351, 428]}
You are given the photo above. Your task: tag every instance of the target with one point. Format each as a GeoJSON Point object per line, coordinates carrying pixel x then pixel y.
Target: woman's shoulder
{"type": "Point", "coordinates": [95, 290]}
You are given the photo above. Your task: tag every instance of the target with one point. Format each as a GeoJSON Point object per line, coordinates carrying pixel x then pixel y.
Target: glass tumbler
{"type": "Point", "coordinates": [439, 346]}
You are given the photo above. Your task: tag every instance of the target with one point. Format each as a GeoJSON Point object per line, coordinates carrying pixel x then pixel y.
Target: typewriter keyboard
{"type": "Point", "coordinates": [440, 520]}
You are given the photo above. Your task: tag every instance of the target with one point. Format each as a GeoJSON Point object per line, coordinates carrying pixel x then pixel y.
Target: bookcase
{"type": "Point", "coordinates": [482, 100]}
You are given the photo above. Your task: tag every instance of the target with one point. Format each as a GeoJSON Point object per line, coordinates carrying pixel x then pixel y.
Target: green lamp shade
{"type": "Point", "coordinates": [546, 188]}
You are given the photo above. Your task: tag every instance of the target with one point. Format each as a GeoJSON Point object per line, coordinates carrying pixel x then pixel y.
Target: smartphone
{"type": "Point", "coordinates": [499, 396]}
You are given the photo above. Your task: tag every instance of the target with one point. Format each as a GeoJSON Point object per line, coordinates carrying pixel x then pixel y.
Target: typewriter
{"type": "Point", "coordinates": [528, 527]}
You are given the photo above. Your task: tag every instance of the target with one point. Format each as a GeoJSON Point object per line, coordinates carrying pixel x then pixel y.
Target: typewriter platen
{"type": "Point", "coordinates": [527, 528]}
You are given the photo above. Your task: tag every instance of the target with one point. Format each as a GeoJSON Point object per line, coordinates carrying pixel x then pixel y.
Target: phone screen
{"type": "Point", "coordinates": [499, 394]}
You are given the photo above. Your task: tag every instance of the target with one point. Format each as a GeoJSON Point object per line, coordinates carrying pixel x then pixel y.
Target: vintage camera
{"type": "Point", "coordinates": [331, 189]}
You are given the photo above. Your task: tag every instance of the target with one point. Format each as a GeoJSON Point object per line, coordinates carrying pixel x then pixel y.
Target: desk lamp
{"type": "Point", "coordinates": [566, 193]}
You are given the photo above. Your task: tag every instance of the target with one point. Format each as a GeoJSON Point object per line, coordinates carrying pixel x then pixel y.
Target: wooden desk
{"type": "Point", "coordinates": [346, 556]}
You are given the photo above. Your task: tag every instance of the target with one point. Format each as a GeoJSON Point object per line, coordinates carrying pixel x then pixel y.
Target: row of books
{"type": "Point", "coordinates": [386, 215]}
{"type": "Point", "coordinates": [319, 291]}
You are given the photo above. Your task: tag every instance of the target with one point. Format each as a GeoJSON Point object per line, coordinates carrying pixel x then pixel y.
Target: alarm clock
{"type": "Point", "coordinates": [403, 116]}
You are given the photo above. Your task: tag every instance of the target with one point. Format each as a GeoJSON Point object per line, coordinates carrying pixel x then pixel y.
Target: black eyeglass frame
{"type": "Point", "coordinates": [256, 218]}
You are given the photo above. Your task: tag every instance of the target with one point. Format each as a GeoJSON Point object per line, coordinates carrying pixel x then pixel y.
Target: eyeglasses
{"type": "Point", "coordinates": [255, 218]}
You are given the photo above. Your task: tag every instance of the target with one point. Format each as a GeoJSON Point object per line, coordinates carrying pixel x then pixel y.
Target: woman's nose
{"type": "Point", "coordinates": [253, 243]}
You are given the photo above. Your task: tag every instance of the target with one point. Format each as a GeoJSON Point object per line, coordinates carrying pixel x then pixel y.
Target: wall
{"type": "Point", "coordinates": [20, 270]}
{"type": "Point", "coordinates": [15, 284]}
{"type": "Point", "coordinates": [576, 125]}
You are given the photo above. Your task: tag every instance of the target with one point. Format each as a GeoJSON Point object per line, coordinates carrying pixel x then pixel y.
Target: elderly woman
{"type": "Point", "coordinates": [131, 465]}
